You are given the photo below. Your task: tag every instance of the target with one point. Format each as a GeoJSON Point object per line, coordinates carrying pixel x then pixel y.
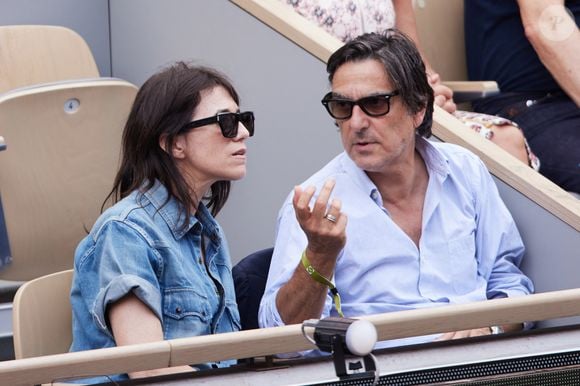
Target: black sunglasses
{"type": "Point", "coordinates": [228, 123]}
{"type": "Point", "coordinates": [374, 105]}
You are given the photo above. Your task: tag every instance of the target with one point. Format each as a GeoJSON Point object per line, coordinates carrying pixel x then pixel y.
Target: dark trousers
{"type": "Point", "coordinates": [551, 125]}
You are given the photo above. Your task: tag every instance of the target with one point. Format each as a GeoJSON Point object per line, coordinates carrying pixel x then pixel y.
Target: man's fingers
{"type": "Point", "coordinates": [301, 200]}
{"type": "Point", "coordinates": [321, 203]}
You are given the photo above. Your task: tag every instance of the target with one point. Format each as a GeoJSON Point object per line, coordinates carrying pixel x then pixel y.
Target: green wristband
{"type": "Point", "coordinates": [313, 273]}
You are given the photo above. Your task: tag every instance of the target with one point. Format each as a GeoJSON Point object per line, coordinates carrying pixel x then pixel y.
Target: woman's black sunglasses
{"type": "Point", "coordinates": [228, 123]}
{"type": "Point", "coordinates": [373, 105]}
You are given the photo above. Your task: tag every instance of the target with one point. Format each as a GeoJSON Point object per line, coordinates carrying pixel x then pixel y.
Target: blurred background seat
{"type": "Point", "coordinates": [33, 54]}
{"type": "Point", "coordinates": [63, 142]}
{"type": "Point", "coordinates": [42, 316]}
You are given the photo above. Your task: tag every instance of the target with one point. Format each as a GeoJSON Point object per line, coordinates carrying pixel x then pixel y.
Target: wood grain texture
{"type": "Point", "coordinates": [253, 343]}
{"type": "Point", "coordinates": [32, 54]}
{"type": "Point", "coordinates": [70, 159]}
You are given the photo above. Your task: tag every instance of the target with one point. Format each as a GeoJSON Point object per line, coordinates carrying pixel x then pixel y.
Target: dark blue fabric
{"type": "Point", "coordinates": [497, 48]}
{"type": "Point", "coordinates": [5, 255]}
{"type": "Point", "coordinates": [250, 276]}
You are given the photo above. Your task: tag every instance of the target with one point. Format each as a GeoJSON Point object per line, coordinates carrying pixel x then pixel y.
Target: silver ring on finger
{"type": "Point", "coordinates": [330, 217]}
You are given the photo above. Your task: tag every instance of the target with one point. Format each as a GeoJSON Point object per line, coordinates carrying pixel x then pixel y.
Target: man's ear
{"type": "Point", "coordinates": [418, 118]}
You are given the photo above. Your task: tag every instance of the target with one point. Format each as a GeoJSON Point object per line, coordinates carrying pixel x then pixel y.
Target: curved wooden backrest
{"type": "Point", "coordinates": [63, 142]}
{"type": "Point", "coordinates": [42, 316]}
{"type": "Point", "coordinates": [440, 29]}
{"type": "Point", "coordinates": [32, 54]}
{"type": "Point", "coordinates": [442, 38]}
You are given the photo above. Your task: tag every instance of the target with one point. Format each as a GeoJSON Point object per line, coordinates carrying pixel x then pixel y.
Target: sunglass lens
{"type": "Point", "coordinates": [247, 119]}
{"type": "Point", "coordinates": [375, 105]}
{"type": "Point", "coordinates": [340, 109]}
{"type": "Point", "coordinates": [229, 125]}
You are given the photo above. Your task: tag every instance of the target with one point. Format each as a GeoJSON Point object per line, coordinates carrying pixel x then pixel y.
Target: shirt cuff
{"type": "Point", "coordinates": [268, 314]}
{"type": "Point", "coordinates": [119, 287]}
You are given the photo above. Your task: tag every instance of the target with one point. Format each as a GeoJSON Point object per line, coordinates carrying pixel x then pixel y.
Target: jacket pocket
{"type": "Point", "coordinates": [185, 313]}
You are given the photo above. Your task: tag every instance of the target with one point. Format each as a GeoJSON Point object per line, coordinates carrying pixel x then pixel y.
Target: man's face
{"type": "Point", "coordinates": [375, 144]}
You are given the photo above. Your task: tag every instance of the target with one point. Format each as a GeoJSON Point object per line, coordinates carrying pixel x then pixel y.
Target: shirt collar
{"type": "Point", "coordinates": [360, 178]}
{"type": "Point", "coordinates": [172, 213]}
{"type": "Point", "coordinates": [435, 160]}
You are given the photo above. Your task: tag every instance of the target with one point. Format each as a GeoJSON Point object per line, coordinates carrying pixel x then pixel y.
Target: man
{"type": "Point", "coordinates": [399, 222]}
{"type": "Point", "coordinates": [532, 49]}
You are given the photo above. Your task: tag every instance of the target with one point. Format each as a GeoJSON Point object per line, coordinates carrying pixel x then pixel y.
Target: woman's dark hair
{"type": "Point", "coordinates": [402, 63]}
{"type": "Point", "coordinates": [163, 105]}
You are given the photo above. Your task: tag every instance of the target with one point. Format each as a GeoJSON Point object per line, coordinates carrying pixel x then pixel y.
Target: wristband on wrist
{"type": "Point", "coordinates": [316, 276]}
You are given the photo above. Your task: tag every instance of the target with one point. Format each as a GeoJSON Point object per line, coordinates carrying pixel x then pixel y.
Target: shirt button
{"type": "Point", "coordinates": [178, 310]}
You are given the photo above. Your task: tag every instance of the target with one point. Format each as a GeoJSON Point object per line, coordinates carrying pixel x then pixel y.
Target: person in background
{"type": "Point", "coordinates": [348, 19]}
{"type": "Point", "coordinates": [395, 222]}
{"type": "Point", "coordinates": [532, 49]}
{"type": "Point", "coordinates": [156, 264]}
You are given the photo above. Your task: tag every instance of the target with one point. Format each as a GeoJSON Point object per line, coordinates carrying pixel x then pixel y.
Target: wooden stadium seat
{"type": "Point", "coordinates": [63, 143]}
{"type": "Point", "coordinates": [444, 46]}
{"type": "Point", "coordinates": [42, 316]}
{"type": "Point", "coordinates": [443, 43]}
{"type": "Point", "coordinates": [32, 54]}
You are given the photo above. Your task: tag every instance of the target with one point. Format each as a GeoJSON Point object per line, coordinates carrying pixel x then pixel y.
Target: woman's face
{"type": "Point", "coordinates": [203, 154]}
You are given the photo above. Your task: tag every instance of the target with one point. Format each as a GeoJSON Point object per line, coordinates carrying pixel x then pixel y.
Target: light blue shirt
{"type": "Point", "coordinates": [469, 249]}
{"type": "Point", "coordinates": [139, 246]}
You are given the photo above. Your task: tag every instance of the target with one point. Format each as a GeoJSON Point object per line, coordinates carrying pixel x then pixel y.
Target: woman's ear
{"type": "Point", "coordinates": [178, 149]}
{"type": "Point", "coordinates": [179, 145]}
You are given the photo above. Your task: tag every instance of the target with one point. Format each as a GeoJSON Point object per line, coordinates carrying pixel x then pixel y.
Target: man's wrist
{"type": "Point", "coordinates": [496, 330]}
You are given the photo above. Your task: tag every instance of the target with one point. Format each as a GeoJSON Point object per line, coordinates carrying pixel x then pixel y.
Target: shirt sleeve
{"type": "Point", "coordinates": [290, 243]}
{"type": "Point", "coordinates": [121, 261]}
{"type": "Point", "coordinates": [500, 249]}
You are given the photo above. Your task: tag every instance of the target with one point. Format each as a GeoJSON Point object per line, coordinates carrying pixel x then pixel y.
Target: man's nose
{"type": "Point", "coordinates": [359, 119]}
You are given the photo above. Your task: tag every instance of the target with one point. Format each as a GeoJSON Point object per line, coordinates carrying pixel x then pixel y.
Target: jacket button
{"type": "Point", "coordinates": [178, 310]}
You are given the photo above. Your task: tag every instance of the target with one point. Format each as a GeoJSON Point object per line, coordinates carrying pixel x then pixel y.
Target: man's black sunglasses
{"type": "Point", "coordinates": [373, 105]}
{"type": "Point", "coordinates": [228, 123]}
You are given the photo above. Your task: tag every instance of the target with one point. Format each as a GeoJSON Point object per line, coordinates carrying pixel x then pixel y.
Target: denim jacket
{"type": "Point", "coordinates": [140, 246]}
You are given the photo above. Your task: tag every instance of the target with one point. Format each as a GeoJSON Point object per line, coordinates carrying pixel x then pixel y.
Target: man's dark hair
{"type": "Point", "coordinates": [163, 105]}
{"type": "Point", "coordinates": [402, 63]}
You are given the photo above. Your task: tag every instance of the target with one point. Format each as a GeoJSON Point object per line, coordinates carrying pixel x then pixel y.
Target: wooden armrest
{"type": "Point", "coordinates": [464, 91]}
{"type": "Point", "coordinates": [268, 341]}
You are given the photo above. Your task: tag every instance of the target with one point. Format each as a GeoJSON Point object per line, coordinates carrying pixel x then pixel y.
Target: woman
{"type": "Point", "coordinates": [156, 264]}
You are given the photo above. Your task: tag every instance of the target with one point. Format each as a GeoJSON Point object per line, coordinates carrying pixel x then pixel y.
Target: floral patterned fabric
{"type": "Point", "coordinates": [483, 124]}
{"type": "Point", "coordinates": [346, 19]}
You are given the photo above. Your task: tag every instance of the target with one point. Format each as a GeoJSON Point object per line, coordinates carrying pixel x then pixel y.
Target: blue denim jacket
{"type": "Point", "coordinates": [140, 246]}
